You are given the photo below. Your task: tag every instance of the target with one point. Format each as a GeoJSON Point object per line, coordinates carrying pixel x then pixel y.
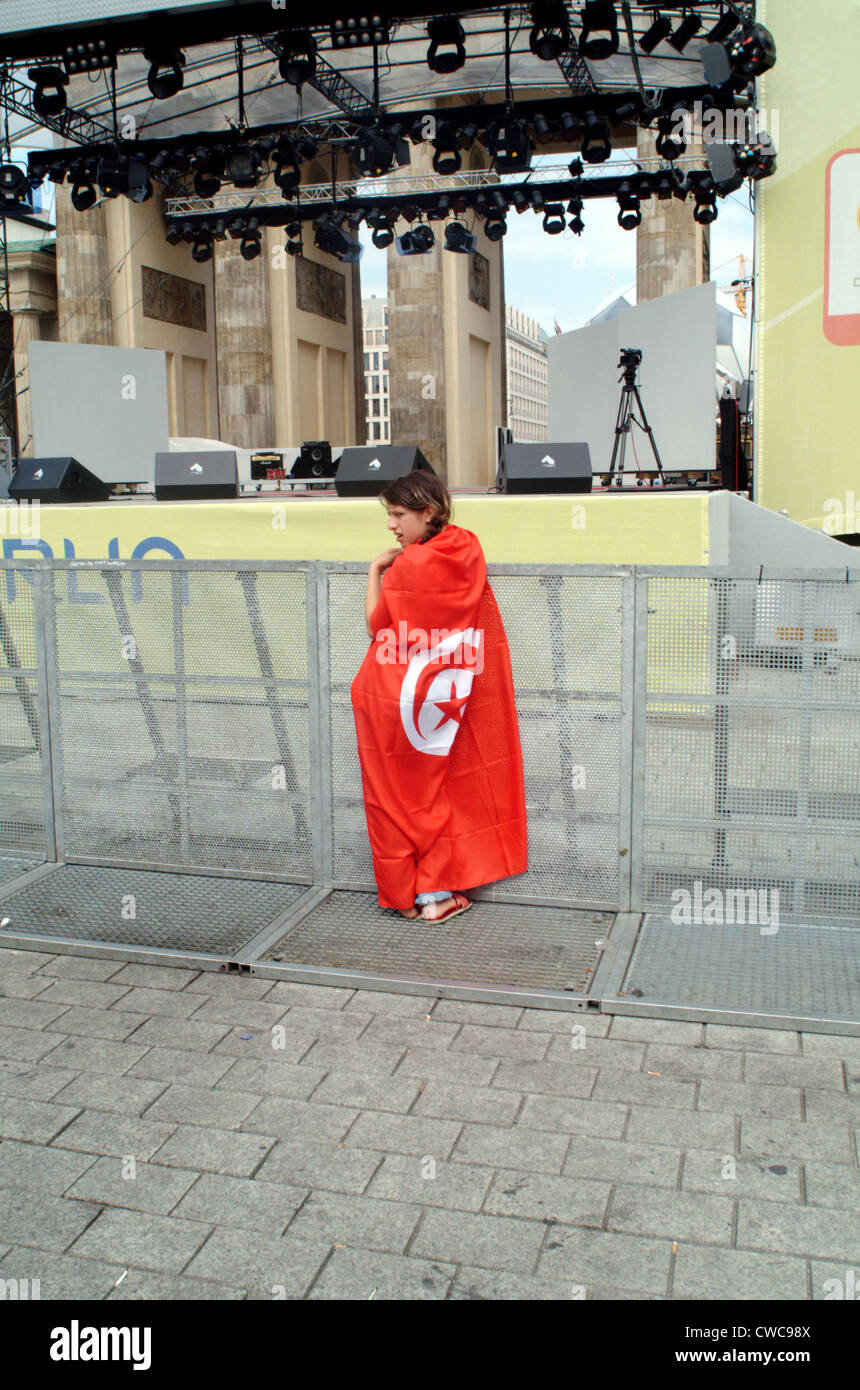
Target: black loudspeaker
{"type": "Point", "coordinates": [180, 477]}
{"type": "Point", "coordinates": [544, 468]}
{"type": "Point", "coordinates": [56, 480]}
{"type": "Point", "coordinates": [314, 461]}
{"type": "Point", "coordinates": [364, 472]}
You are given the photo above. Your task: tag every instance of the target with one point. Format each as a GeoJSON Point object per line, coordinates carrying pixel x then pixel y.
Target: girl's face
{"type": "Point", "coordinates": [408, 526]}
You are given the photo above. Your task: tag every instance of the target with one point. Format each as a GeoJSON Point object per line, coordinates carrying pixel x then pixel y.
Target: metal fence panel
{"type": "Point", "coordinates": [26, 809]}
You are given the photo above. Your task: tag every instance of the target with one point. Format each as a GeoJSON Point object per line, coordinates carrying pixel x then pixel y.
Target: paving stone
{"type": "Point", "coordinates": [682, 1129]}
{"type": "Point", "coordinates": [490, 1242]}
{"type": "Point", "coordinates": [597, 1051]}
{"type": "Point", "coordinates": [215, 1150]}
{"type": "Point", "coordinates": [339, 1218]}
{"type": "Point", "coordinates": [742, 1098]}
{"type": "Point", "coordinates": [313, 996]}
{"type": "Point", "coordinates": [826, 1232]}
{"type": "Point", "coordinates": [218, 985]}
{"type": "Point", "coordinates": [834, 1282]}
{"type": "Point", "coordinates": [498, 1285]}
{"type": "Point", "coordinates": [241, 1013]}
{"type": "Point", "coordinates": [456, 1102]}
{"type": "Point", "coordinates": [80, 1022]}
{"type": "Point", "coordinates": [754, 1177]}
{"type": "Point", "coordinates": [794, 1071]}
{"type": "Point", "coordinates": [244, 1202]}
{"type": "Point", "coordinates": [635, 1088]}
{"type": "Point", "coordinates": [491, 1015]}
{"type": "Point", "coordinates": [164, 1288]}
{"type": "Point", "coordinates": [197, 1105]}
{"type": "Point", "coordinates": [71, 967]}
{"type": "Point", "coordinates": [99, 1132]}
{"type": "Point", "coordinates": [426, 1062]}
{"type": "Point", "coordinates": [51, 1223]}
{"type": "Point", "coordinates": [25, 961]}
{"type": "Point", "coordinates": [40, 1168]}
{"type": "Point", "coordinates": [260, 1263]}
{"type": "Point", "coordinates": [827, 1185]}
{"type": "Point", "coordinates": [170, 1003]}
{"type": "Point", "coordinates": [562, 1020]}
{"type": "Point", "coordinates": [596, 1293]}
{"type": "Point", "coordinates": [179, 1032]}
{"type": "Point", "coordinates": [752, 1039]}
{"type": "Point", "coordinates": [690, 1063]}
{"type": "Point", "coordinates": [498, 1042]}
{"type": "Point", "coordinates": [330, 1025]}
{"type": "Point", "coordinates": [16, 984]}
{"type": "Point", "coordinates": [366, 1092]}
{"type": "Point", "coordinates": [330, 1167]}
{"type": "Point", "coordinates": [390, 1005]}
{"type": "Point", "coordinates": [32, 1081]}
{"type": "Point", "coordinates": [289, 1119]}
{"type": "Point", "coordinates": [407, 1134]}
{"type": "Point", "coordinates": [155, 976]}
{"type": "Point", "coordinates": [573, 1116]}
{"type": "Point", "coordinates": [183, 1067]}
{"type": "Point", "coordinates": [841, 1045]}
{"type": "Point", "coordinates": [615, 1160]}
{"type": "Point", "coordinates": [705, 1220]}
{"type": "Point", "coordinates": [589, 1258]}
{"type": "Point", "coordinates": [371, 1059]}
{"type": "Point", "coordinates": [545, 1197]}
{"type": "Point", "coordinates": [411, 1179]}
{"type": "Point", "coordinates": [153, 1188]}
{"type": "Point", "coordinates": [95, 994]}
{"type": "Point", "coordinates": [128, 1095]}
{"type": "Point", "coordinates": [707, 1272]}
{"type": "Point", "coordinates": [365, 1274]}
{"type": "Point", "coordinates": [95, 1054]}
{"type": "Point", "coordinates": [272, 1076]}
{"type": "Point", "coordinates": [26, 1044]}
{"type": "Point", "coordinates": [831, 1105]}
{"type": "Point", "coordinates": [411, 1032]}
{"type": "Point", "coordinates": [36, 1120]}
{"type": "Point", "coordinates": [656, 1030]}
{"type": "Point", "coordinates": [505, 1148]}
{"type": "Point", "coordinates": [782, 1140]}
{"type": "Point", "coordinates": [142, 1240]}
{"type": "Point", "coordinates": [248, 1045]}
{"type": "Point", "coordinates": [60, 1276]}
{"type": "Point", "coordinates": [556, 1078]}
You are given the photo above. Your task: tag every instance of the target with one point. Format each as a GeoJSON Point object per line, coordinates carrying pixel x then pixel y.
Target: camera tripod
{"type": "Point", "coordinates": [629, 361]}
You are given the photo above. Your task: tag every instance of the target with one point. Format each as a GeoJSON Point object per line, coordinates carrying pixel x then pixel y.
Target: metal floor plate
{"type": "Point", "coordinates": [12, 866]}
{"type": "Point", "coordinates": [493, 944]}
{"type": "Point", "coordinates": [178, 912]}
{"type": "Point", "coordinates": [801, 971]}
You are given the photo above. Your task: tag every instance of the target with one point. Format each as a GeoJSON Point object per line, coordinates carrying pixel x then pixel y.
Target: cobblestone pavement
{"type": "Point", "coordinates": [170, 1133]}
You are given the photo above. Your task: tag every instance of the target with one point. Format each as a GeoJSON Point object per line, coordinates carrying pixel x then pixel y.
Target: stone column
{"type": "Point", "coordinates": [83, 273]}
{"type": "Point", "coordinates": [243, 336]}
{"type": "Point", "coordinates": [33, 300]}
{"type": "Point", "coordinates": [672, 249]}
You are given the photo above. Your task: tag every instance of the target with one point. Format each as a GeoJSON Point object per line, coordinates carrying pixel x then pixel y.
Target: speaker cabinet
{"type": "Point", "coordinates": [56, 480]}
{"type": "Point", "coordinates": [364, 472]}
{"type": "Point", "coordinates": [187, 477]}
{"type": "Point", "coordinates": [314, 463]}
{"type": "Point", "coordinates": [544, 468]}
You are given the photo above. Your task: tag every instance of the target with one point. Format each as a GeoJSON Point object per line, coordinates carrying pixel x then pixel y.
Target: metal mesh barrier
{"type": "Point", "coordinates": [749, 751]}
{"type": "Point", "coordinates": [26, 819]}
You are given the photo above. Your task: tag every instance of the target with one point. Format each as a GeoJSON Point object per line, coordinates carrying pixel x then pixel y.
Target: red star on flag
{"type": "Point", "coordinates": [452, 707]}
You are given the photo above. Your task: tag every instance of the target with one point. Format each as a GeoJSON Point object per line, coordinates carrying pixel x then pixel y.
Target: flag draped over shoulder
{"type": "Point", "coordinates": [438, 740]}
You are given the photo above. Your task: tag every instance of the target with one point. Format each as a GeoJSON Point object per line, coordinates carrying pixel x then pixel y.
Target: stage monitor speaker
{"type": "Point", "coordinates": [56, 480]}
{"type": "Point", "coordinates": [181, 477]}
{"type": "Point", "coordinates": [262, 463]}
{"type": "Point", "coordinates": [364, 472]}
{"type": "Point", "coordinates": [544, 468]}
{"type": "Point", "coordinates": [314, 462]}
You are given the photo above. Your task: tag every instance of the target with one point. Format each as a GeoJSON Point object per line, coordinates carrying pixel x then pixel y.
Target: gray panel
{"type": "Point", "coordinates": [25, 810]}
{"type": "Point", "coordinates": [74, 384]}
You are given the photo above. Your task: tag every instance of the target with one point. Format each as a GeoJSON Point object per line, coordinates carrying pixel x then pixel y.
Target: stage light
{"type": "Point", "coordinates": [446, 156]}
{"type": "Point", "coordinates": [287, 173]}
{"type": "Point", "coordinates": [629, 210]}
{"type": "Point", "coordinates": [596, 145]}
{"type": "Point", "coordinates": [509, 145]}
{"type": "Point", "coordinates": [375, 151]}
{"type": "Point", "coordinates": [208, 168]}
{"type": "Point", "coordinates": [83, 196]}
{"type": "Point", "coordinates": [49, 97]}
{"type": "Point", "coordinates": [382, 235]}
{"type": "Point", "coordinates": [242, 165]}
{"type": "Point", "coordinates": [520, 201]}
{"type": "Point", "coordinates": [568, 123]}
{"type": "Point", "coordinates": [298, 60]}
{"type": "Point", "coordinates": [576, 224]}
{"type": "Point", "coordinates": [14, 184]}
{"type": "Point", "coordinates": [725, 25]}
{"type": "Point", "coordinates": [138, 187]}
{"type": "Point", "coordinates": [201, 247]}
{"type": "Point", "coordinates": [758, 160]}
{"type": "Point", "coordinates": [705, 210]}
{"type": "Point", "coordinates": [575, 167]}
{"type": "Point", "coordinates": [467, 135]}
{"type": "Point", "coordinates": [671, 143]}
{"type": "Point", "coordinates": [331, 238]}
{"type": "Point", "coordinates": [88, 57]}
{"type": "Point", "coordinates": [361, 29]}
{"type": "Point", "coordinates": [550, 35]}
{"type": "Point", "coordinates": [686, 30]}
{"type": "Point", "coordinates": [541, 127]}
{"type": "Point", "coordinates": [598, 38]}
{"type": "Point", "coordinates": [495, 226]}
{"type": "Point", "coordinates": [553, 219]}
{"type": "Point", "coordinates": [417, 241]}
{"type": "Point", "coordinates": [752, 51]}
{"type": "Point", "coordinates": [164, 78]}
{"type": "Point", "coordinates": [665, 186]}
{"type": "Point", "coordinates": [459, 238]}
{"type": "Point", "coordinates": [449, 36]}
{"type": "Point", "coordinates": [656, 33]}
{"type": "Point", "coordinates": [440, 208]}
{"type": "Point", "coordinates": [250, 246]}
{"type": "Point", "coordinates": [536, 198]}
{"type": "Point", "coordinates": [173, 235]}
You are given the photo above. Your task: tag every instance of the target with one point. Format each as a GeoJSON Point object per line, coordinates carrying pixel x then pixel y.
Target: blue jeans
{"type": "Point", "coordinates": [422, 898]}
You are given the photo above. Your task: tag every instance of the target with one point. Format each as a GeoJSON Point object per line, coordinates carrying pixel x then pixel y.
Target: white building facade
{"type": "Point", "coordinates": [525, 346]}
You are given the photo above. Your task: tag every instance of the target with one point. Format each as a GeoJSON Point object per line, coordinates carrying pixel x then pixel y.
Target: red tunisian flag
{"type": "Point", "coordinates": [438, 740]}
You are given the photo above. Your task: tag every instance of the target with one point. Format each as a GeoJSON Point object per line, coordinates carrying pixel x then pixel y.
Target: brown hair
{"type": "Point", "coordinates": [416, 491]}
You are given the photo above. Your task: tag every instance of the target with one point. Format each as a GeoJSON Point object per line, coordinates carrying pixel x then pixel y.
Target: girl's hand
{"type": "Point", "coordinates": [387, 558]}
